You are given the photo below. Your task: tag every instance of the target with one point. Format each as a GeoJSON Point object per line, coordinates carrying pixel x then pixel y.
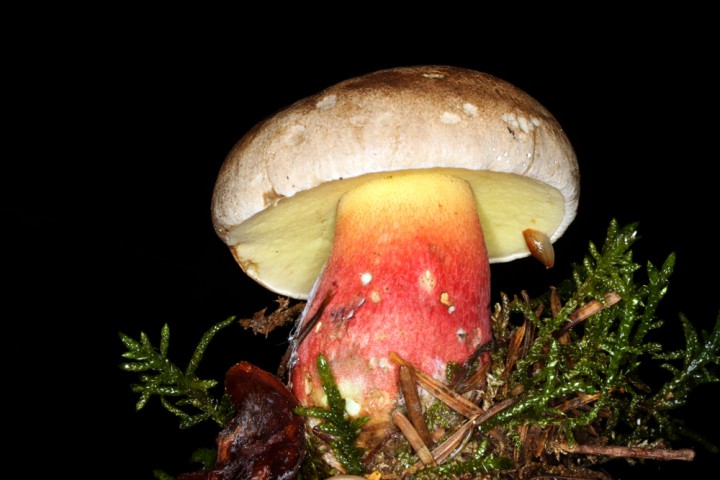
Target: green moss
{"type": "Point", "coordinates": [606, 351]}
{"type": "Point", "coordinates": [341, 431]}
{"type": "Point", "coordinates": [575, 377]}
{"type": "Point", "coordinates": [480, 463]}
{"type": "Point", "coordinates": [180, 391]}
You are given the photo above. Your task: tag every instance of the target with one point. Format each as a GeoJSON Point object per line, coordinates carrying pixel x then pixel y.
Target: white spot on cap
{"type": "Point", "coordinates": [449, 118]}
{"type": "Point", "coordinates": [296, 135]}
{"type": "Point", "coordinates": [433, 75]}
{"type": "Point", "coordinates": [511, 120]}
{"type": "Point", "coordinates": [365, 278]}
{"type": "Point", "coordinates": [470, 109]}
{"type": "Point", "coordinates": [525, 124]}
{"type": "Point", "coordinates": [327, 102]}
{"type": "Point", "coordinates": [462, 335]}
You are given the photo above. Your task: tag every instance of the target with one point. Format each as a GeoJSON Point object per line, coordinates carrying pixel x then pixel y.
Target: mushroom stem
{"type": "Point", "coordinates": [408, 273]}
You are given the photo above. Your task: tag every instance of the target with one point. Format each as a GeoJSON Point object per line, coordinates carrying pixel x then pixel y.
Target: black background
{"type": "Point", "coordinates": [122, 130]}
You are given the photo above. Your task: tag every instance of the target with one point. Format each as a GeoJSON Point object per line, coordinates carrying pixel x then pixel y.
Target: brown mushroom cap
{"type": "Point", "coordinates": [276, 194]}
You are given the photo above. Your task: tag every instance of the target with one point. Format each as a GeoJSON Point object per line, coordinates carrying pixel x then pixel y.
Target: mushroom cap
{"type": "Point", "coordinates": [276, 193]}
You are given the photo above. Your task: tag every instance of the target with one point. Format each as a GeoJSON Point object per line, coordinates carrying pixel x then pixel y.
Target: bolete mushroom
{"type": "Point", "coordinates": [382, 200]}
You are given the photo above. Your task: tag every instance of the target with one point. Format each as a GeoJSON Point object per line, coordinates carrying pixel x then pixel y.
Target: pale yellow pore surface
{"type": "Point", "coordinates": [285, 246]}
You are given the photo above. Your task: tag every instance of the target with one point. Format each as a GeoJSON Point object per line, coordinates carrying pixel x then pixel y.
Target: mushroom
{"type": "Point", "coordinates": [382, 200]}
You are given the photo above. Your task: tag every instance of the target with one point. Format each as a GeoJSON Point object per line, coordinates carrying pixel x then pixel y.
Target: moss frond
{"type": "Point", "coordinates": [340, 429]}
{"type": "Point", "coordinates": [180, 391]}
